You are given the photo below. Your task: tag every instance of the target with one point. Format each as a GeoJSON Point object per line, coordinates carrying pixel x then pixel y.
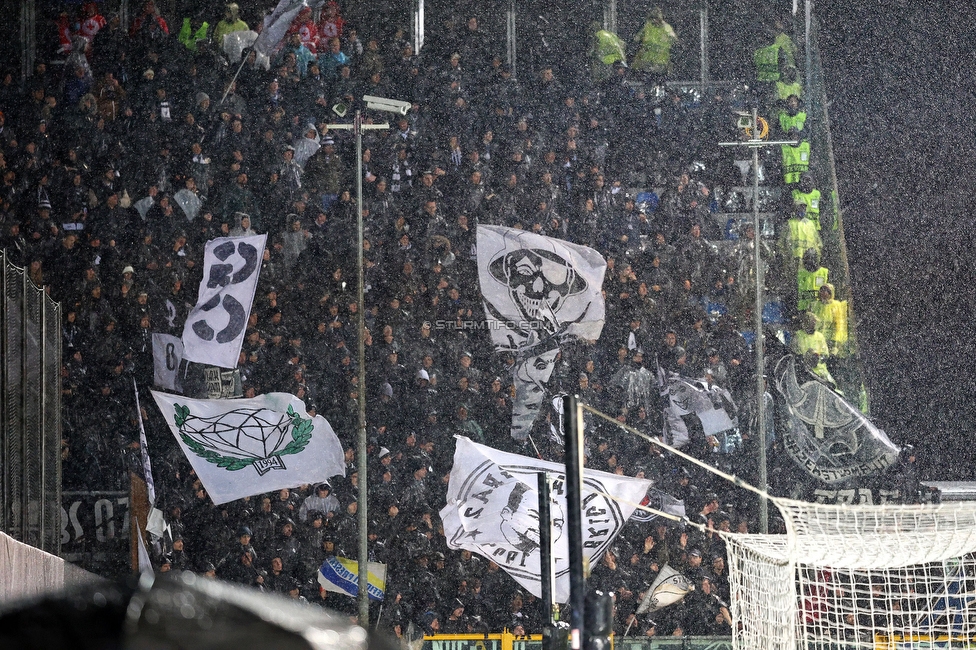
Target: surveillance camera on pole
{"type": "Point", "coordinates": [384, 104]}
{"type": "Point", "coordinates": [357, 127]}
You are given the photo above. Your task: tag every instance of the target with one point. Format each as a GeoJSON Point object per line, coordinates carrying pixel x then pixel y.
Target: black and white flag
{"type": "Point", "coordinates": [167, 355]}
{"type": "Point", "coordinates": [493, 510]}
{"type": "Point", "coordinates": [276, 25]}
{"type": "Point", "coordinates": [189, 202]}
{"type": "Point", "coordinates": [710, 404]}
{"type": "Point", "coordinates": [668, 588]}
{"type": "Point", "coordinates": [214, 330]}
{"type": "Point", "coordinates": [662, 502]}
{"type": "Point", "coordinates": [825, 434]}
{"type": "Point", "coordinates": [538, 293]}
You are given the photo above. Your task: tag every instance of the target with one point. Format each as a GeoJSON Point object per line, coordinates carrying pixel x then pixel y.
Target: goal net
{"type": "Point", "coordinates": [878, 577]}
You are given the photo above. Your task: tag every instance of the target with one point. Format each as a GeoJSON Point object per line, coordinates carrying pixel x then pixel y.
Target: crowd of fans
{"type": "Point", "coordinates": [117, 170]}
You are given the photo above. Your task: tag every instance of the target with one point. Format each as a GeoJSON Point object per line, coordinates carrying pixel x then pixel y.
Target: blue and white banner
{"type": "Point", "coordinates": [341, 575]}
{"type": "Point", "coordinates": [214, 330]}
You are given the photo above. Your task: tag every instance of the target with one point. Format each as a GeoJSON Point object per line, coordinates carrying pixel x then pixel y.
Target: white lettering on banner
{"type": "Point", "coordinates": [99, 516]}
{"type": "Point", "coordinates": [857, 496]}
{"type": "Point", "coordinates": [492, 510]}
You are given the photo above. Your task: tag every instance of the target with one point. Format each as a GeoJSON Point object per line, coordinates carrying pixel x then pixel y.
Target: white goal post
{"type": "Point", "coordinates": [842, 577]}
{"type": "Point", "coordinates": [866, 577]}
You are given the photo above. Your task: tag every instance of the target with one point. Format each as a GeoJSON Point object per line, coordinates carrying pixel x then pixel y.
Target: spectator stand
{"type": "Point", "coordinates": [553, 153]}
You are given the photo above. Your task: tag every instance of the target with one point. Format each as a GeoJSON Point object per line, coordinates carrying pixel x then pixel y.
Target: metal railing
{"type": "Point", "coordinates": [30, 411]}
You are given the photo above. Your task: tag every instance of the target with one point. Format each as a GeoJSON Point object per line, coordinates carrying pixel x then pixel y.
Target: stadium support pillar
{"type": "Point", "coordinates": [760, 342]}
{"type": "Point", "coordinates": [754, 143]}
{"type": "Point", "coordinates": [361, 459]}
{"type": "Point", "coordinates": [511, 54]}
{"type": "Point", "coordinates": [703, 50]}
{"type": "Point", "coordinates": [125, 16]}
{"type": "Point", "coordinates": [807, 48]}
{"type": "Point", "coordinates": [28, 37]}
{"type": "Point", "coordinates": [417, 24]}
{"type": "Point", "coordinates": [362, 512]}
{"type": "Point", "coordinates": [610, 16]}
{"type": "Point", "coordinates": [573, 414]}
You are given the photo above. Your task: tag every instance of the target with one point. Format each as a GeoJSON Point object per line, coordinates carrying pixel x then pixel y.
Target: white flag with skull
{"type": "Point", "coordinates": [538, 292]}
{"type": "Point", "coordinates": [214, 330]}
{"type": "Point", "coordinates": [493, 510]}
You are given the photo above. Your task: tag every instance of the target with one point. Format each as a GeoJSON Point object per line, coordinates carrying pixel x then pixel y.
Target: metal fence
{"type": "Point", "coordinates": [30, 411]}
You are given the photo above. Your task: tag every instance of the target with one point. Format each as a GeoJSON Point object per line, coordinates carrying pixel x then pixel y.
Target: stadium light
{"type": "Point", "coordinates": [747, 121]}
{"type": "Point", "coordinates": [357, 127]}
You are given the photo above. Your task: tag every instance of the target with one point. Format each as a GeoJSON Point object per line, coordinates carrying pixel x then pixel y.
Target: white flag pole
{"type": "Point", "coordinates": [144, 451]}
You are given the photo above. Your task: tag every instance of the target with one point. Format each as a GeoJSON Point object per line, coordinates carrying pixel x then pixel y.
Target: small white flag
{"type": "Point", "coordinates": [145, 564]}
{"type": "Point", "coordinates": [667, 589]}
{"type": "Point", "coordinates": [244, 447]}
{"type": "Point", "coordinates": [662, 502]}
{"type": "Point", "coordinates": [493, 510]}
{"type": "Point", "coordinates": [167, 355]}
{"type": "Point", "coordinates": [214, 330]}
{"type": "Point", "coordinates": [144, 451]}
{"type": "Point", "coordinates": [276, 25]}
{"type": "Point", "coordinates": [189, 202]}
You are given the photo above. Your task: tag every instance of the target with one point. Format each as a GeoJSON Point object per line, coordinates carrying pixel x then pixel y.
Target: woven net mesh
{"type": "Point", "coordinates": [854, 576]}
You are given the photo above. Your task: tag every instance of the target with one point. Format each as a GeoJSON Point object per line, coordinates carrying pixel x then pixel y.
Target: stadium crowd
{"type": "Point", "coordinates": [118, 167]}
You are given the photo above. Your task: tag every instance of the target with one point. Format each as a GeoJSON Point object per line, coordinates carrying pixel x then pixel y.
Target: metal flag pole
{"type": "Point", "coordinates": [545, 546]}
{"type": "Point", "coordinates": [754, 143]}
{"type": "Point", "coordinates": [573, 415]}
{"type": "Point", "coordinates": [362, 598]}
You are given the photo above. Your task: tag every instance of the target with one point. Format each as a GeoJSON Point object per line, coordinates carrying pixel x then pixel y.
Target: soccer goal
{"type": "Point", "coordinates": [878, 577]}
{"type": "Point", "coordinates": [889, 577]}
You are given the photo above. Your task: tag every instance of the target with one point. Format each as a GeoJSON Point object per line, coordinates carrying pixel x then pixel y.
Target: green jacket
{"type": "Point", "coordinates": [609, 48]}
{"type": "Point", "coordinates": [771, 59]}
{"type": "Point", "coordinates": [787, 121]}
{"type": "Point", "coordinates": [800, 235]}
{"type": "Point", "coordinates": [189, 38]}
{"type": "Point", "coordinates": [784, 90]}
{"type": "Point", "coordinates": [224, 28]}
{"type": "Point", "coordinates": [808, 286]}
{"type": "Point", "coordinates": [796, 160]}
{"type": "Point", "coordinates": [812, 199]}
{"type": "Point", "coordinates": [655, 47]}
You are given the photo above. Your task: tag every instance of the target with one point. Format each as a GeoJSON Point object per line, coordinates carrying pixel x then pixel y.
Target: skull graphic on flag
{"type": "Point", "coordinates": [539, 292]}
